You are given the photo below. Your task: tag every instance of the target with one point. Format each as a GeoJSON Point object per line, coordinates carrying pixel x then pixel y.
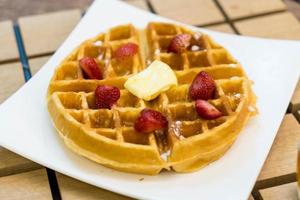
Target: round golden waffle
{"type": "Point", "coordinates": [108, 136]}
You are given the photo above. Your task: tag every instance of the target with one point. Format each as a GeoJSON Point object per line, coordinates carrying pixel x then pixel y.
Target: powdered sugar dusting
{"type": "Point", "coordinates": [176, 128]}
{"type": "Point", "coordinates": [232, 65]}
{"type": "Point", "coordinates": [100, 57]}
{"type": "Point", "coordinates": [197, 36]}
{"type": "Point", "coordinates": [234, 78]}
{"type": "Point", "coordinates": [157, 52]}
{"type": "Point", "coordinates": [251, 109]}
{"type": "Point", "coordinates": [98, 43]}
{"type": "Point", "coordinates": [165, 155]}
{"type": "Point", "coordinates": [195, 48]}
{"type": "Point", "coordinates": [237, 95]}
{"type": "Point", "coordinates": [106, 62]}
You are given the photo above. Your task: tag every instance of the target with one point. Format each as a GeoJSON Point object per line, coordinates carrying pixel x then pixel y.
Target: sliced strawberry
{"type": "Point", "coordinates": [106, 96]}
{"type": "Point", "coordinates": [149, 121]}
{"type": "Point", "coordinates": [206, 110]}
{"type": "Point", "coordinates": [126, 51]}
{"type": "Point", "coordinates": [202, 87]}
{"type": "Point", "coordinates": [179, 43]}
{"type": "Point", "coordinates": [90, 68]}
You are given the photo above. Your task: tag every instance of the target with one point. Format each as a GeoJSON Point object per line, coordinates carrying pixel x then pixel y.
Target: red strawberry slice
{"type": "Point", "coordinates": [149, 121]}
{"type": "Point", "coordinates": [106, 96]}
{"type": "Point", "coordinates": [206, 110]}
{"type": "Point", "coordinates": [179, 43]}
{"type": "Point", "coordinates": [202, 87]}
{"type": "Point", "coordinates": [126, 51]}
{"type": "Point", "coordinates": [90, 68]}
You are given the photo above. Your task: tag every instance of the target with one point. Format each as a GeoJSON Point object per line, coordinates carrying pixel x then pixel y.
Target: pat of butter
{"type": "Point", "coordinates": [158, 77]}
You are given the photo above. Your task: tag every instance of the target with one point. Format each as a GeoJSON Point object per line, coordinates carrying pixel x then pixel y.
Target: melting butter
{"type": "Point", "coordinates": [158, 77]}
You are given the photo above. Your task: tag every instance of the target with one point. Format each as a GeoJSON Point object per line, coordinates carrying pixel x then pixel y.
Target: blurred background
{"type": "Point", "coordinates": [12, 9]}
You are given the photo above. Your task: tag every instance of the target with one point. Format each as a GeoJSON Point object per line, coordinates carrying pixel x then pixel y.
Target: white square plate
{"type": "Point", "coordinates": [274, 65]}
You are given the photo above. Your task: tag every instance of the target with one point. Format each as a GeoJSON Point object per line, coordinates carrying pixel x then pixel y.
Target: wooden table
{"type": "Point", "coordinates": [24, 179]}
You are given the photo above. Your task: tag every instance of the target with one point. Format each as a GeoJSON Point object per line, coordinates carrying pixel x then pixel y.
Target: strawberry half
{"type": "Point", "coordinates": [149, 121]}
{"type": "Point", "coordinates": [202, 87]}
{"type": "Point", "coordinates": [179, 43]}
{"type": "Point", "coordinates": [126, 51]}
{"type": "Point", "coordinates": [90, 68]}
{"type": "Point", "coordinates": [206, 110]}
{"type": "Point", "coordinates": [106, 96]}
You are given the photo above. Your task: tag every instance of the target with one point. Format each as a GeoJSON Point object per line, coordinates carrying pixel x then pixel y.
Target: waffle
{"type": "Point", "coordinates": [108, 136]}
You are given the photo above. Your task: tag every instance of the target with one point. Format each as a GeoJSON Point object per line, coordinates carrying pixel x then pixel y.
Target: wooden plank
{"type": "Point", "coordinates": [138, 3]}
{"type": "Point", "coordinates": [36, 63]}
{"type": "Point", "coordinates": [281, 192]}
{"type": "Point", "coordinates": [237, 8]}
{"type": "Point", "coordinates": [283, 155]}
{"type": "Point", "coordinates": [294, 7]}
{"type": "Point", "coordinates": [8, 50]}
{"type": "Point", "coordinates": [280, 26]}
{"type": "Point", "coordinates": [72, 189]}
{"type": "Point", "coordinates": [26, 186]}
{"type": "Point", "coordinates": [15, 9]}
{"type": "Point", "coordinates": [198, 12]}
{"type": "Point", "coordinates": [11, 78]}
{"type": "Point", "coordinates": [226, 28]}
{"type": "Point", "coordinates": [11, 163]}
{"type": "Point", "coordinates": [250, 197]}
{"type": "Point", "coordinates": [44, 33]}
{"type": "Point", "coordinates": [295, 101]}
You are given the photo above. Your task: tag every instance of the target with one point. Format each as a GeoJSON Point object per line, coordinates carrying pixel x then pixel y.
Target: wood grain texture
{"type": "Point", "coordinates": [72, 189]}
{"type": "Point", "coordinates": [43, 34]}
{"type": "Point", "coordinates": [295, 101]}
{"type": "Point", "coordinates": [11, 79]}
{"type": "Point", "coordinates": [279, 26]}
{"type": "Point", "coordinates": [11, 163]}
{"type": "Point", "coordinates": [237, 8]}
{"type": "Point", "coordinates": [8, 50]}
{"type": "Point", "coordinates": [282, 192]}
{"type": "Point", "coordinates": [221, 28]}
{"type": "Point", "coordinates": [26, 186]}
{"type": "Point", "coordinates": [13, 9]}
{"type": "Point", "coordinates": [189, 11]}
{"type": "Point", "coordinates": [138, 3]}
{"type": "Point", "coordinates": [36, 63]}
{"type": "Point", "coordinates": [294, 7]}
{"type": "Point", "coordinates": [283, 155]}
